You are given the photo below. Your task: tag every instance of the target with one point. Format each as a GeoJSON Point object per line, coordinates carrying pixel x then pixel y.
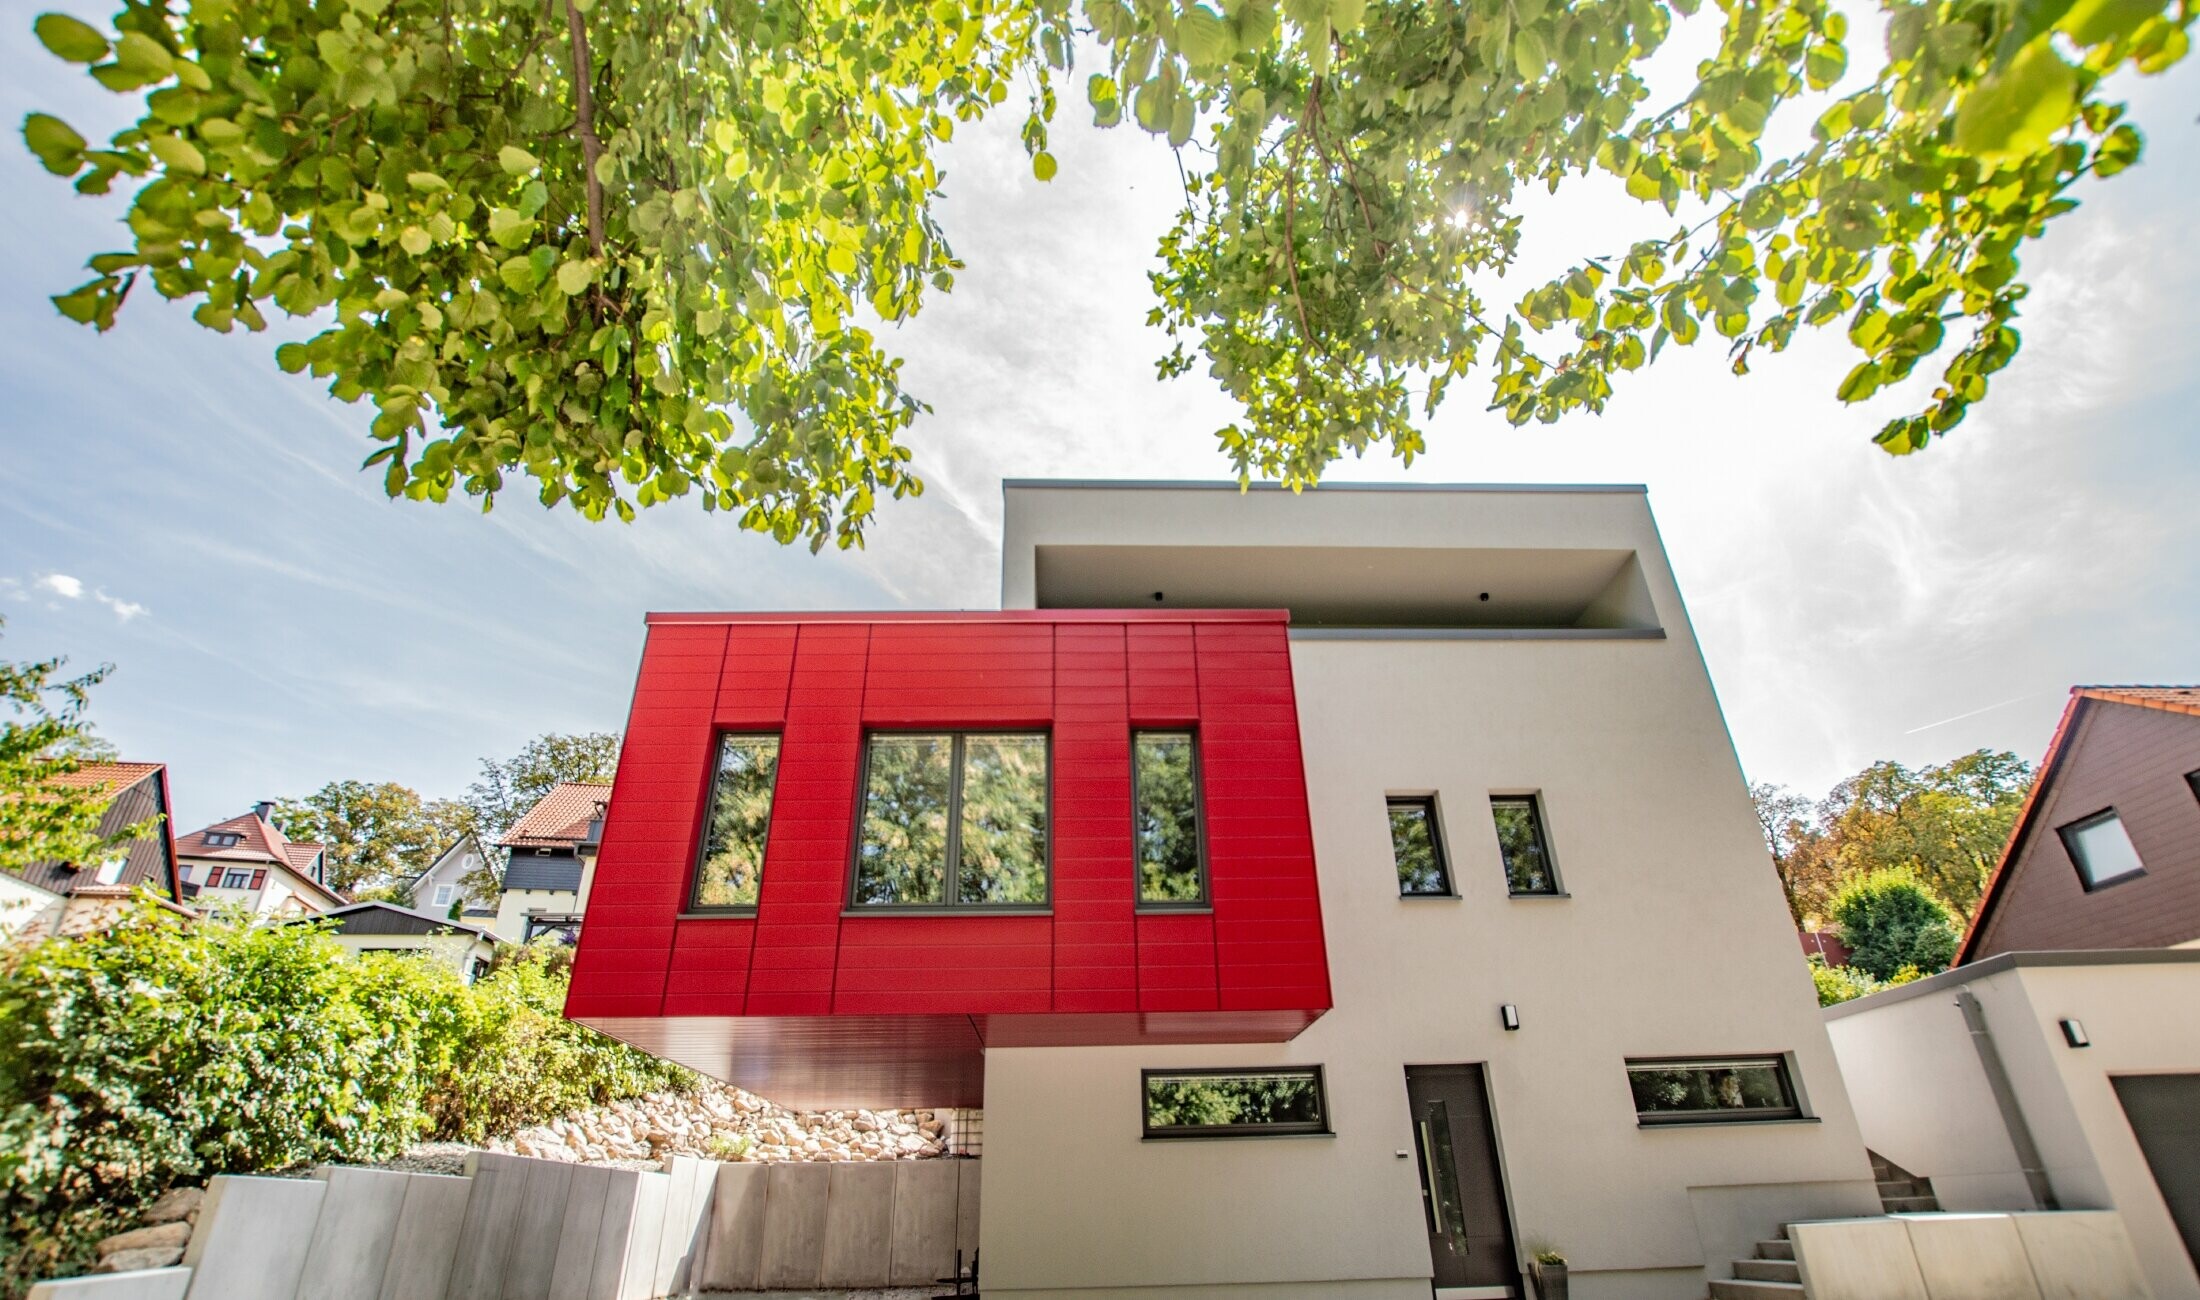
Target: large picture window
{"type": "Point", "coordinates": [737, 823]}
{"type": "Point", "coordinates": [1253, 1102]}
{"type": "Point", "coordinates": [953, 820]}
{"type": "Point", "coordinates": [1171, 854]}
{"type": "Point", "coordinates": [1522, 844]}
{"type": "Point", "coordinates": [1713, 1091]}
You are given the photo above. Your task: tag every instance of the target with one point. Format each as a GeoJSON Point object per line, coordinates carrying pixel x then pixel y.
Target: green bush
{"type": "Point", "coordinates": [159, 1053]}
{"type": "Point", "coordinates": [1840, 983]}
{"type": "Point", "coordinates": [1890, 920]}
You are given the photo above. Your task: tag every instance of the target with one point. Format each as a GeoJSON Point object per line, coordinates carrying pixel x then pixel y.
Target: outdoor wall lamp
{"type": "Point", "coordinates": [2074, 1033]}
{"type": "Point", "coordinates": [1510, 1014]}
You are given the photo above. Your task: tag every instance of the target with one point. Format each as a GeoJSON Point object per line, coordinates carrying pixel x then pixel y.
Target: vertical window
{"type": "Point", "coordinates": [1418, 850]}
{"type": "Point", "coordinates": [1712, 1091]}
{"type": "Point", "coordinates": [1172, 855]}
{"type": "Point", "coordinates": [1252, 1102]}
{"type": "Point", "coordinates": [1522, 844]}
{"type": "Point", "coordinates": [736, 823]}
{"type": "Point", "coordinates": [2193, 779]}
{"type": "Point", "coordinates": [442, 895]}
{"type": "Point", "coordinates": [953, 821]}
{"type": "Point", "coordinates": [2101, 848]}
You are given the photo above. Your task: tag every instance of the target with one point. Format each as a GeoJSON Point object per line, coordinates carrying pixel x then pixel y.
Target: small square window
{"type": "Point", "coordinates": [442, 895]}
{"type": "Point", "coordinates": [1251, 1102]}
{"type": "Point", "coordinates": [1523, 845]}
{"type": "Point", "coordinates": [1172, 855]}
{"type": "Point", "coordinates": [2101, 848]}
{"type": "Point", "coordinates": [1717, 1091]}
{"type": "Point", "coordinates": [1418, 849]}
{"type": "Point", "coordinates": [737, 823]}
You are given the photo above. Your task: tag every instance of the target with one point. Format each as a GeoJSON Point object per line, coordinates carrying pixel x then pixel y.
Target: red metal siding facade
{"type": "Point", "coordinates": [809, 1004]}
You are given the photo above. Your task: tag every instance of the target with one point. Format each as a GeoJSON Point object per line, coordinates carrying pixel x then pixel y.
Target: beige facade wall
{"type": "Point", "coordinates": [25, 909]}
{"type": "Point", "coordinates": [1922, 1099]}
{"type": "Point", "coordinates": [456, 951]}
{"type": "Point", "coordinates": [514, 905]}
{"type": "Point", "coordinates": [1674, 942]}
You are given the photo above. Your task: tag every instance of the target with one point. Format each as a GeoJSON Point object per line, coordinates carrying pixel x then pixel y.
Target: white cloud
{"type": "Point", "coordinates": [124, 609]}
{"type": "Point", "coordinates": [71, 588]}
{"type": "Point", "coordinates": [61, 584]}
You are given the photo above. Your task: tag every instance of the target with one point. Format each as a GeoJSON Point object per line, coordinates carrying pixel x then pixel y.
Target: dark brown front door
{"type": "Point", "coordinates": [1462, 1193]}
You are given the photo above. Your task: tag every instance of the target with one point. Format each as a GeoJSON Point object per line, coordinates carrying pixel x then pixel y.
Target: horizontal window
{"type": "Point", "coordinates": [2101, 848]}
{"type": "Point", "coordinates": [1522, 844]}
{"type": "Point", "coordinates": [737, 823]}
{"type": "Point", "coordinates": [1254, 1102]}
{"type": "Point", "coordinates": [1165, 794]}
{"type": "Point", "coordinates": [953, 820]}
{"type": "Point", "coordinates": [1417, 849]}
{"type": "Point", "coordinates": [1729, 1089]}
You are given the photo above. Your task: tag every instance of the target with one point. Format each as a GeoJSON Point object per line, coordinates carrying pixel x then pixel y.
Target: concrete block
{"type": "Point", "coordinates": [859, 1225]}
{"type": "Point", "coordinates": [575, 1266]}
{"type": "Point", "coordinates": [966, 1208]}
{"type": "Point", "coordinates": [2082, 1255]}
{"type": "Point", "coordinates": [794, 1229]}
{"type": "Point", "coordinates": [532, 1259]}
{"type": "Point", "coordinates": [926, 1195]}
{"type": "Point", "coordinates": [144, 1284]}
{"type": "Point", "coordinates": [615, 1234]}
{"type": "Point", "coordinates": [353, 1238]}
{"type": "Point", "coordinates": [485, 1236]}
{"type": "Point", "coordinates": [689, 1181]}
{"type": "Point", "coordinates": [1857, 1259]}
{"type": "Point", "coordinates": [252, 1236]}
{"type": "Point", "coordinates": [731, 1261]}
{"type": "Point", "coordinates": [1970, 1257]}
{"type": "Point", "coordinates": [648, 1223]}
{"type": "Point", "coordinates": [425, 1245]}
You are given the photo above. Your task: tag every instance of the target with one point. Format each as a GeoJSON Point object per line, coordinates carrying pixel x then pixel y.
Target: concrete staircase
{"type": "Point", "coordinates": [1900, 1191]}
{"type": "Point", "coordinates": [1772, 1273]}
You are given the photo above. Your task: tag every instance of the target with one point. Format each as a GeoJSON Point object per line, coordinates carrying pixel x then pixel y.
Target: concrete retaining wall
{"type": "Point", "coordinates": [520, 1229]}
{"type": "Point", "coordinates": [2073, 1255]}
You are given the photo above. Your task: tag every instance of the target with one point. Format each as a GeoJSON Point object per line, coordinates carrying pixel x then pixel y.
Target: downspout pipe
{"type": "Point", "coordinates": [2005, 1100]}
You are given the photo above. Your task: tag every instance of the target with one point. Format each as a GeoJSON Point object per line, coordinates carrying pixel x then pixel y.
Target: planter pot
{"type": "Point", "coordinates": [1550, 1281]}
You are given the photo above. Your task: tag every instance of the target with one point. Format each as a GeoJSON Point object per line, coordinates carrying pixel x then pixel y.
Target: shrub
{"type": "Point", "coordinates": [1889, 920]}
{"type": "Point", "coordinates": [1839, 983]}
{"type": "Point", "coordinates": [158, 1053]}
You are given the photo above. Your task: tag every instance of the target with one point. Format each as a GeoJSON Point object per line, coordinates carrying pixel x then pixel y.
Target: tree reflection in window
{"type": "Point", "coordinates": [1521, 842]}
{"type": "Point", "coordinates": [977, 801]}
{"type": "Point", "coordinates": [1234, 1103]}
{"type": "Point", "coordinates": [1415, 848]}
{"type": "Point", "coordinates": [908, 781]}
{"type": "Point", "coordinates": [1680, 1092]}
{"type": "Point", "coordinates": [735, 828]}
{"type": "Point", "coordinates": [1003, 827]}
{"type": "Point", "coordinates": [1166, 776]}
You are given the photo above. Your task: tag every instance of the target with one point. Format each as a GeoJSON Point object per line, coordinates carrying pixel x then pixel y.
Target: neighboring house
{"type": "Point", "coordinates": [444, 882]}
{"type": "Point", "coordinates": [2058, 1064]}
{"type": "Point", "coordinates": [247, 861]}
{"type": "Point", "coordinates": [386, 927]}
{"type": "Point", "coordinates": [1825, 944]}
{"type": "Point", "coordinates": [77, 897]}
{"type": "Point", "coordinates": [2106, 850]}
{"type": "Point", "coordinates": [552, 858]}
{"type": "Point", "coordinates": [1389, 837]}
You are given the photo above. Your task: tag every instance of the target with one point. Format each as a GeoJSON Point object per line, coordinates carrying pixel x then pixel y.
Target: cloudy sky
{"type": "Point", "coordinates": [173, 504]}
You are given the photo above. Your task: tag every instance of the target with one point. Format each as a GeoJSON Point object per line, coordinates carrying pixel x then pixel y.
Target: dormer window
{"type": "Point", "coordinates": [223, 839]}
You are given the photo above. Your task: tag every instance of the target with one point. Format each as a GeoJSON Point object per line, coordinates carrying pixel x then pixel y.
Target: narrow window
{"type": "Point", "coordinates": [976, 803]}
{"type": "Point", "coordinates": [1418, 850]}
{"type": "Point", "coordinates": [1718, 1091]}
{"type": "Point", "coordinates": [1253, 1102]}
{"type": "Point", "coordinates": [1171, 853]}
{"type": "Point", "coordinates": [1523, 845]}
{"type": "Point", "coordinates": [736, 823]}
{"type": "Point", "coordinates": [2101, 848]}
{"type": "Point", "coordinates": [2193, 779]}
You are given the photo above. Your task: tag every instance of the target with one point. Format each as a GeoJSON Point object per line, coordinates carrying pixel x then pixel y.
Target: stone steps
{"type": "Point", "coordinates": [1737, 1289]}
{"type": "Point", "coordinates": [1781, 1249]}
{"type": "Point", "coordinates": [1767, 1270]}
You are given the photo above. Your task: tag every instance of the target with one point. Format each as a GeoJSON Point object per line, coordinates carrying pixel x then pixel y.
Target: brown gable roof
{"type": "Point", "coordinates": [2169, 699]}
{"type": "Point", "coordinates": [113, 777]}
{"type": "Point", "coordinates": [135, 792]}
{"type": "Point", "coordinates": [560, 818]}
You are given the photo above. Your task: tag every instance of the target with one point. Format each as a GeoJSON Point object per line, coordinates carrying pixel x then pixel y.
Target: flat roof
{"type": "Point", "coordinates": [1229, 485]}
{"type": "Point", "coordinates": [1141, 615]}
{"type": "Point", "coordinates": [1999, 962]}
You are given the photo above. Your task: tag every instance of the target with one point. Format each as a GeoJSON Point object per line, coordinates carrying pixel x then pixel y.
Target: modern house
{"type": "Point", "coordinates": [1274, 871]}
{"type": "Point", "coordinates": [76, 897]}
{"type": "Point", "coordinates": [443, 882]}
{"type": "Point", "coordinates": [246, 861]}
{"type": "Point", "coordinates": [386, 927]}
{"type": "Point", "coordinates": [2058, 1064]}
{"type": "Point", "coordinates": [552, 858]}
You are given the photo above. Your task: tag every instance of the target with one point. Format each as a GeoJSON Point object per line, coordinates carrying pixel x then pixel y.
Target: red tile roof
{"type": "Point", "coordinates": [2169, 699]}
{"type": "Point", "coordinates": [301, 856]}
{"type": "Point", "coordinates": [106, 776]}
{"type": "Point", "coordinates": [258, 841]}
{"type": "Point", "coordinates": [560, 818]}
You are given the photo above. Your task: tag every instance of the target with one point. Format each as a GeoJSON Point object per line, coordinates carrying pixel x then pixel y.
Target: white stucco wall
{"type": "Point", "coordinates": [1922, 1100]}
{"type": "Point", "coordinates": [24, 906]}
{"type": "Point", "coordinates": [455, 951]}
{"type": "Point", "coordinates": [515, 904]}
{"type": "Point", "coordinates": [1675, 941]}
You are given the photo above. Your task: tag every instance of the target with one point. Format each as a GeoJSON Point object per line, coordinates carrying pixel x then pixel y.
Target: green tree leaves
{"type": "Point", "coordinates": [2014, 111]}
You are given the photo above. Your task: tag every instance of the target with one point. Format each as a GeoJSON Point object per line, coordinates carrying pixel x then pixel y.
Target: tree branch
{"type": "Point", "coordinates": [584, 125]}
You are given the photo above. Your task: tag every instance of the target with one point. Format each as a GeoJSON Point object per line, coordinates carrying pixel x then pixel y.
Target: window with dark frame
{"type": "Point", "coordinates": [730, 869]}
{"type": "Point", "coordinates": [1523, 844]}
{"type": "Point", "coordinates": [1165, 804]}
{"type": "Point", "coordinates": [953, 819]}
{"type": "Point", "coordinates": [236, 878]}
{"type": "Point", "coordinates": [2192, 779]}
{"type": "Point", "coordinates": [1713, 1090]}
{"type": "Point", "coordinates": [1417, 848]}
{"type": "Point", "coordinates": [2101, 849]}
{"type": "Point", "coordinates": [1261, 1101]}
